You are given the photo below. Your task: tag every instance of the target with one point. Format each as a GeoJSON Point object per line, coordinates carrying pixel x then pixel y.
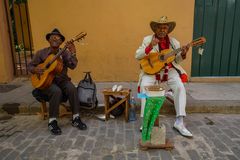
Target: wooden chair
{"type": "Point", "coordinates": [43, 99]}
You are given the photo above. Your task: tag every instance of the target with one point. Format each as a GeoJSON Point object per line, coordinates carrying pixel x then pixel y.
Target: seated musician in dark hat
{"type": "Point", "coordinates": [61, 83]}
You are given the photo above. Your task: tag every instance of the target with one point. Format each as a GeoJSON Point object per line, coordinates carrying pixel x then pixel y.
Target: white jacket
{"type": "Point", "coordinates": [140, 53]}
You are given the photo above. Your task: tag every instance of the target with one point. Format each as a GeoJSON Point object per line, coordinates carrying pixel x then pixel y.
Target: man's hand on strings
{"type": "Point", "coordinates": [184, 51]}
{"type": "Point", "coordinates": [71, 47]}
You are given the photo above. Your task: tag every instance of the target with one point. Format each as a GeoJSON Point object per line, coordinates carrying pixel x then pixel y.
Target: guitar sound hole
{"type": "Point", "coordinates": [48, 65]}
{"type": "Point", "coordinates": [161, 57]}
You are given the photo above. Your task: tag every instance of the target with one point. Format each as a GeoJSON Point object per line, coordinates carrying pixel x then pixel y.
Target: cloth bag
{"type": "Point", "coordinates": [87, 92]}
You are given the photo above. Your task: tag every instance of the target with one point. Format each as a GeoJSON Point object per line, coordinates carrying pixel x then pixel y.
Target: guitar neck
{"type": "Point", "coordinates": [174, 52]}
{"type": "Point", "coordinates": [76, 38]}
{"type": "Point", "coordinates": [56, 56]}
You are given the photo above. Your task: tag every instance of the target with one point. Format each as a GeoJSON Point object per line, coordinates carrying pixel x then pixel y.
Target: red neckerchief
{"type": "Point", "coordinates": [164, 43]}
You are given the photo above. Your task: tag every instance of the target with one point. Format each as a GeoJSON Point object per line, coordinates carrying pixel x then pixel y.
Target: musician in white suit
{"type": "Point", "coordinates": [172, 74]}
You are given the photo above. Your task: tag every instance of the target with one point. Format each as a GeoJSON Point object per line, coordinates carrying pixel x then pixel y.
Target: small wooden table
{"type": "Point", "coordinates": [125, 93]}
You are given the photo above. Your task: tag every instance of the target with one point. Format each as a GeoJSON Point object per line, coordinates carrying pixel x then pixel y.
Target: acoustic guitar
{"type": "Point", "coordinates": [155, 61]}
{"type": "Point", "coordinates": [52, 66]}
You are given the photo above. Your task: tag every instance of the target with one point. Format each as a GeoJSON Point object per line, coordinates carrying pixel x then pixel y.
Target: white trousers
{"type": "Point", "coordinates": [174, 82]}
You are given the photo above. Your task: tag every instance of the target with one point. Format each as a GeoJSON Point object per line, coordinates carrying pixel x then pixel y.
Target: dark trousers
{"type": "Point", "coordinates": [55, 93]}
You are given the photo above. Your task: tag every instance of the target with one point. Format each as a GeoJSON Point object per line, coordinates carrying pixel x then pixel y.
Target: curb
{"type": "Point", "coordinates": [167, 108]}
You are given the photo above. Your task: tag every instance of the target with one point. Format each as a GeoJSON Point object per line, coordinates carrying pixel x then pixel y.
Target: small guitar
{"type": "Point", "coordinates": [155, 61]}
{"type": "Point", "coordinates": [52, 66]}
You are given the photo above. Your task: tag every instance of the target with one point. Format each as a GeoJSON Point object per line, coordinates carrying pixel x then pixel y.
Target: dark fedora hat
{"type": "Point", "coordinates": [55, 31]}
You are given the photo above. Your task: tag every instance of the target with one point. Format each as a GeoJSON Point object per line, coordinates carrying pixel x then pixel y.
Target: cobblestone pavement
{"type": "Point", "coordinates": [216, 137]}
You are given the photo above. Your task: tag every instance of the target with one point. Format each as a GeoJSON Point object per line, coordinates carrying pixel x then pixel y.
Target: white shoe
{"type": "Point", "coordinates": [114, 88]}
{"type": "Point", "coordinates": [183, 130]}
{"type": "Point", "coordinates": [119, 88]}
{"type": "Point", "coordinates": [102, 117]}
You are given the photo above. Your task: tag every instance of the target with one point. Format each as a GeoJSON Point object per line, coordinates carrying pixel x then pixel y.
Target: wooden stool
{"type": "Point", "coordinates": [126, 98]}
{"type": "Point", "coordinates": [43, 99]}
{"type": "Point", "coordinates": [63, 110]}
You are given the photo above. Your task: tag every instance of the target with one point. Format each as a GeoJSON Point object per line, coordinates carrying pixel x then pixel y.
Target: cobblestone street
{"type": "Point", "coordinates": [216, 137]}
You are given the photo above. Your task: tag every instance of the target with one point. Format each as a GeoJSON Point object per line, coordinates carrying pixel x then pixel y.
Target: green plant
{"type": "Point", "coordinates": [19, 47]}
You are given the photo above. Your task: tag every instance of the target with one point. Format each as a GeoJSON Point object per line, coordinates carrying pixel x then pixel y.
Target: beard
{"type": "Point", "coordinates": [161, 34]}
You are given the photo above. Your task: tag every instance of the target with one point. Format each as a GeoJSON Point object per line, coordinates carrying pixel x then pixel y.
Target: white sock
{"type": "Point", "coordinates": [179, 120]}
{"type": "Point", "coordinates": [51, 119]}
{"type": "Point", "coordinates": [141, 121]}
{"type": "Point", "coordinates": [75, 115]}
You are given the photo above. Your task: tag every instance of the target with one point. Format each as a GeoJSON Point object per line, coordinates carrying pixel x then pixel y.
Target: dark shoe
{"type": "Point", "coordinates": [79, 124]}
{"type": "Point", "coordinates": [54, 129]}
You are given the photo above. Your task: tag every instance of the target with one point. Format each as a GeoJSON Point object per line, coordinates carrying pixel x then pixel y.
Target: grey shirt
{"type": "Point", "coordinates": [69, 61]}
